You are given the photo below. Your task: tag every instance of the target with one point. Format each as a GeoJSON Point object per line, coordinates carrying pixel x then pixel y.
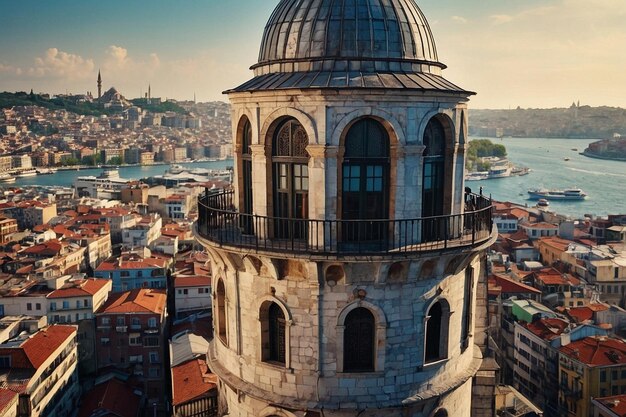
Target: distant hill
{"type": "Point", "coordinates": [573, 122]}
{"type": "Point", "coordinates": [78, 104]}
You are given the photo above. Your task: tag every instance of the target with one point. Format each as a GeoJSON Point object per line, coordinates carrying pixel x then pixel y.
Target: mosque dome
{"type": "Point", "coordinates": [348, 44]}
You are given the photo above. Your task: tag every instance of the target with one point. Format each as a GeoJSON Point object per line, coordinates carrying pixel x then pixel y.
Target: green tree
{"type": "Point", "coordinates": [116, 160]}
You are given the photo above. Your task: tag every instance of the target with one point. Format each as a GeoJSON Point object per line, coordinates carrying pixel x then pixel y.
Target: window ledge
{"type": "Point", "coordinates": [368, 374]}
{"type": "Point", "coordinates": [434, 364]}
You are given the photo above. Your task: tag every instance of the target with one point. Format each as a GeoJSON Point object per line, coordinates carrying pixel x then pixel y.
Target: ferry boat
{"type": "Point", "coordinates": [107, 185]}
{"type": "Point", "coordinates": [26, 173]}
{"type": "Point", "coordinates": [477, 176]}
{"type": "Point", "coordinates": [571, 194]}
{"type": "Point", "coordinates": [46, 171]}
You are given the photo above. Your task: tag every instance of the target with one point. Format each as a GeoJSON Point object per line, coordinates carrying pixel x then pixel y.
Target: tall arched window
{"type": "Point", "coordinates": [434, 179]}
{"type": "Point", "coordinates": [291, 179]}
{"type": "Point", "coordinates": [359, 341]}
{"type": "Point", "coordinates": [273, 333]}
{"type": "Point", "coordinates": [365, 180]}
{"type": "Point", "coordinates": [246, 173]}
{"type": "Point", "coordinates": [437, 323]}
{"type": "Point", "coordinates": [434, 163]}
{"type": "Point", "coordinates": [220, 293]}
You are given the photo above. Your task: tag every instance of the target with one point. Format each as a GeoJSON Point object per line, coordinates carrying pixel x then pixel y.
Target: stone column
{"type": "Point", "coordinates": [317, 195]}
{"type": "Point", "coordinates": [261, 190]}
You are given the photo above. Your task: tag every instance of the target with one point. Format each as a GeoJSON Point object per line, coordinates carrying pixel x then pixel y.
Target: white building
{"type": "Point", "coordinates": [142, 234]}
{"type": "Point", "coordinates": [77, 300]}
{"type": "Point", "coordinates": [193, 294]}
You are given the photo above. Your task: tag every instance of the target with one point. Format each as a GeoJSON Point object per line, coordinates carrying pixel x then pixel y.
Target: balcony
{"type": "Point", "coordinates": [221, 224]}
{"type": "Point", "coordinates": [121, 329]}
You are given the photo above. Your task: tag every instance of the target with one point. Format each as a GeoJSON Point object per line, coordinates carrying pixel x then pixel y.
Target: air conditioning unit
{"type": "Point", "coordinates": [121, 329]}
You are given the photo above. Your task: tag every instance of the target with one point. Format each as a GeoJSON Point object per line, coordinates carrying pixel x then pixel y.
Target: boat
{"type": "Point", "coordinates": [26, 173]}
{"type": "Point", "coordinates": [46, 171]}
{"type": "Point", "coordinates": [543, 203]}
{"type": "Point", "coordinates": [477, 176]}
{"type": "Point", "coordinates": [500, 171]}
{"type": "Point", "coordinates": [570, 194]}
{"type": "Point", "coordinates": [566, 159]}
{"type": "Point", "coordinates": [575, 149]}
{"type": "Point", "coordinates": [7, 178]}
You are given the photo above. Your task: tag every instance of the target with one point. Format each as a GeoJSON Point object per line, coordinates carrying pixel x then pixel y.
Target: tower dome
{"type": "Point", "coordinates": [348, 44]}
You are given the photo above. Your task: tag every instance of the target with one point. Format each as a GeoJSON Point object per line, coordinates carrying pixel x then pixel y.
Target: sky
{"type": "Point", "coordinates": [532, 54]}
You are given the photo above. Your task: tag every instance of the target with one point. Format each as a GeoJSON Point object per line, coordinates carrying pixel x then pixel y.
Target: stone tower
{"type": "Point", "coordinates": [345, 259]}
{"type": "Point", "coordinates": [99, 85]}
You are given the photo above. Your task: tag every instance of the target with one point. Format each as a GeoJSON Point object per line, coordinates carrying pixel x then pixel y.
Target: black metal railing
{"type": "Point", "coordinates": [220, 222]}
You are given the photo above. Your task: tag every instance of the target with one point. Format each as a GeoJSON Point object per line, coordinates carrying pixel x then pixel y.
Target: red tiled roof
{"type": "Point", "coordinates": [509, 285]}
{"type": "Point", "coordinates": [111, 398]}
{"type": "Point", "coordinates": [581, 314]}
{"type": "Point", "coordinates": [135, 301]}
{"type": "Point", "coordinates": [191, 380]}
{"type": "Point", "coordinates": [556, 242]}
{"type": "Point", "coordinates": [43, 344]}
{"type": "Point", "coordinates": [547, 329]}
{"type": "Point", "coordinates": [80, 288]}
{"type": "Point", "coordinates": [616, 403]}
{"type": "Point", "coordinates": [191, 281]}
{"type": "Point", "coordinates": [597, 351]}
{"type": "Point", "coordinates": [7, 397]}
{"type": "Point", "coordinates": [136, 263]}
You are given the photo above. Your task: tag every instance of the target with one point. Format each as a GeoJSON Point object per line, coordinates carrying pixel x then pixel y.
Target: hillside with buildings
{"type": "Point", "coordinates": [574, 122]}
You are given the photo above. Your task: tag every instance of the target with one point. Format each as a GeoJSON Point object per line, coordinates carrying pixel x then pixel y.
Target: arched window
{"type": "Point", "coordinates": [437, 321]}
{"type": "Point", "coordinates": [221, 311]}
{"type": "Point", "coordinates": [434, 179]}
{"type": "Point", "coordinates": [365, 180]}
{"type": "Point", "coordinates": [291, 179]}
{"type": "Point", "coordinates": [246, 174]}
{"type": "Point", "coordinates": [273, 333]}
{"type": "Point", "coordinates": [359, 341]}
{"type": "Point", "coordinates": [434, 159]}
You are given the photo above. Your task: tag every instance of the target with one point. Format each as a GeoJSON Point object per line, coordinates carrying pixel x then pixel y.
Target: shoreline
{"type": "Point", "coordinates": [596, 156]}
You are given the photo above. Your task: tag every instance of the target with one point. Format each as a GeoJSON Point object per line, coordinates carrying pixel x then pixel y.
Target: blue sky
{"type": "Point", "coordinates": [531, 53]}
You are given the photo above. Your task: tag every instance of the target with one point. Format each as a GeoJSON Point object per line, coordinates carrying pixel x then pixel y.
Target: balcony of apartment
{"type": "Point", "coordinates": [221, 224]}
{"type": "Point", "coordinates": [572, 392]}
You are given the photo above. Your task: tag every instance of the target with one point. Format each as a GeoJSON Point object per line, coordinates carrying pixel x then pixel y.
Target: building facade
{"type": "Point", "coordinates": [349, 239]}
{"type": "Point", "coordinates": [129, 336]}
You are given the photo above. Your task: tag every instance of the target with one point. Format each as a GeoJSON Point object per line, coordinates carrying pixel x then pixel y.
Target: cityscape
{"type": "Point", "coordinates": [321, 213]}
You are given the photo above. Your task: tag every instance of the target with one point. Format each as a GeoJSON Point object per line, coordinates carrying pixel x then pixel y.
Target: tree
{"type": "Point", "coordinates": [116, 160]}
{"type": "Point", "coordinates": [92, 160]}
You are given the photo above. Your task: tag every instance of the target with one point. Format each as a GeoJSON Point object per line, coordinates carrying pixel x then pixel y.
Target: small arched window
{"type": "Point", "coordinates": [359, 341]}
{"type": "Point", "coordinates": [437, 322]}
{"type": "Point", "coordinates": [365, 180]}
{"type": "Point", "coordinates": [246, 174]}
{"type": "Point", "coordinates": [291, 179]}
{"type": "Point", "coordinates": [273, 333]}
{"type": "Point", "coordinates": [220, 293]}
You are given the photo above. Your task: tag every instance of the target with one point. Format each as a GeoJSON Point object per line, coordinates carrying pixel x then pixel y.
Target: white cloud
{"type": "Point", "coordinates": [499, 19]}
{"type": "Point", "coordinates": [56, 63]}
{"type": "Point", "coordinates": [459, 19]}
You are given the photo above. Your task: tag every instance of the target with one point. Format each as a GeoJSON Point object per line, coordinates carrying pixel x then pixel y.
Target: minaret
{"type": "Point", "coordinates": [99, 85]}
{"type": "Point", "coordinates": [149, 94]}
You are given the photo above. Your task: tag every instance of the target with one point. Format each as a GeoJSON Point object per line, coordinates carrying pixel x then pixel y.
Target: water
{"type": "Point", "coordinates": [66, 178]}
{"type": "Point", "coordinates": [603, 181]}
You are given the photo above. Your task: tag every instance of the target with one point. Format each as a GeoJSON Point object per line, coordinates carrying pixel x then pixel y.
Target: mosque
{"type": "Point", "coordinates": [349, 258]}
